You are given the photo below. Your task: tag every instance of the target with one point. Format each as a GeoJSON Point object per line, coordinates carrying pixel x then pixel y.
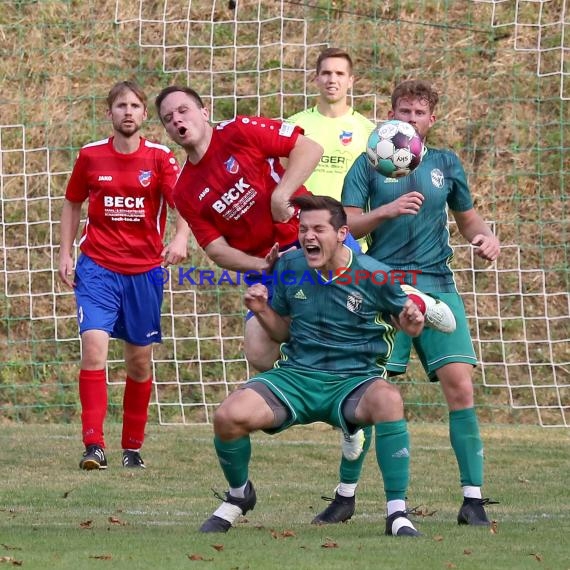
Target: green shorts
{"type": "Point", "coordinates": [436, 349]}
{"type": "Point", "coordinates": [310, 396]}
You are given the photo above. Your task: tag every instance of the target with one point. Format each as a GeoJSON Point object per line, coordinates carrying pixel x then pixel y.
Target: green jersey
{"type": "Point", "coordinates": [342, 138]}
{"type": "Point", "coordinates": [414, 242]}
{"type": "Point", "coordinates": [339, 323]}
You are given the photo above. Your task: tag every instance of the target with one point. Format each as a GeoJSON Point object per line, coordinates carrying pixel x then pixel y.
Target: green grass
{"type": "Point", "coordinates": [52, 515]}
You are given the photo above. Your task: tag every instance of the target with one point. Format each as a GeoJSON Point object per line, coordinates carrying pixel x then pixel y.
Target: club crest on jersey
{"type": "Point", "coordinates": [144, 177]}
{"type": "Point", "coordinates": [232, 165]}
{"type": "Point", "coordinates": [354, 303]}
{"type": "Point", "coordinates": [345, 137]}
{"type": "Point", "coordinates": [437, 178]}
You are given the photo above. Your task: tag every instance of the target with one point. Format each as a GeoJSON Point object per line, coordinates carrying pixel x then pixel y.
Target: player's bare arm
{"type": "Point", "coordinates": [362, 223]}
{"type": "Point", "coordinates": [69, 224]}
{"type": "Point", "coordinates": [177, 250]}
{"type": "Point", "coordinates": [276, 326]}
{"type": "Point", "coordinates": [302, 160]}
{"type": "Point", "coordinates": [474, 229]}
{"type": "Point", "coordinates": [228, 257]}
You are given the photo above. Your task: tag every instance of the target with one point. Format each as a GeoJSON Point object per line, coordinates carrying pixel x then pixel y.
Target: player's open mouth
{"type": "Point", "coordinates": [182, 131]}
{"type": "Point", "coordinates": [312, 249]}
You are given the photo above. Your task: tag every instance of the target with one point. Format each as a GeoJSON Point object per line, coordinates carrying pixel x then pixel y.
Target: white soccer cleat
{"type": "Point", "coordinates": [352, 445]}
{"type": "Point", "coordinates": [438, 315]}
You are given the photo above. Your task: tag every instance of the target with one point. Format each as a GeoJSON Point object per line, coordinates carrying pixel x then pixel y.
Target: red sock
{"type": "Point", "coordinates": [93, 397]}
{"type": "Point", "coordinates": [419, 302]}
{"type": "Point", "coordinates": [135, 412]}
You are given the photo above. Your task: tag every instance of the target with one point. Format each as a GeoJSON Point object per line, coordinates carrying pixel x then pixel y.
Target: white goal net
{"type": "Point", "coordinates": [256, 57]}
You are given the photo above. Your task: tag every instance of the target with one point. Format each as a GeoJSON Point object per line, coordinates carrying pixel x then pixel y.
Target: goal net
{"type": "Point", "coordinates": [502, 71]}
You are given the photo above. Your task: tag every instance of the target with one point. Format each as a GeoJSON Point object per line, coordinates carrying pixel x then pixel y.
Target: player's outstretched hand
{"type": "Point", "coordinates": [256, 298]}
{"type": "Point", "coordinates": [272, 256]}
{"type": "Point", "coordinates": [486, 246]}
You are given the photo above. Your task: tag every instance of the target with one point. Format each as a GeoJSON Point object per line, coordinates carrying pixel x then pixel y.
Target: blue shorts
{"type": "Point", "coordinates": [127, 307]}
{"type": "Point", "coordinates": [267, 278]}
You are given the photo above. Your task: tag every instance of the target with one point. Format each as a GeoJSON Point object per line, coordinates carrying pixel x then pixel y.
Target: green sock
{"type": "Point", "coordinates": [234, 459]}
{"type": "Point", "coordinates": [467, 445]}
{"type": "Point", "coordinates": [393, 456]}
{"type": "Point", "coordinates": [350, 471]}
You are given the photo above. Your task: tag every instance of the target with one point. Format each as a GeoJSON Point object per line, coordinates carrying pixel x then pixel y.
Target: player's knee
{"type": "Point", "coordinates": [231, 421]}
{"type": "Point", "coordinates": [385, 403]}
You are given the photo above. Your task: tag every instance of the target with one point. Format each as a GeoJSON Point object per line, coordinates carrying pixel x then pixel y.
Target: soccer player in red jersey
{"type": "Point", "coordinates": [128, 182]}
{"type": "Point", "coordinates": [234, 192]}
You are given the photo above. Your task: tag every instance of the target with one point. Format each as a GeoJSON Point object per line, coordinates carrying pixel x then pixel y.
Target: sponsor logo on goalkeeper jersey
{"type": "Point", "coordinates": [345, 137]}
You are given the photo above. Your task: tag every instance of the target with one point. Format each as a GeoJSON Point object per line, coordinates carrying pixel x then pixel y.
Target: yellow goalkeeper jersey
{"type": "Point", "coordinates": [343, 139]}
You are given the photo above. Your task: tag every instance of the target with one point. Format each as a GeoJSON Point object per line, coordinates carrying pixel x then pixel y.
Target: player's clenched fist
{"type": "Point", "coordinates": [256, 297]}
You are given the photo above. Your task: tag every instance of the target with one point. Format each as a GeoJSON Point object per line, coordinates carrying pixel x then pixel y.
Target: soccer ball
{"type": "Point", "coordinates": [394, 148]}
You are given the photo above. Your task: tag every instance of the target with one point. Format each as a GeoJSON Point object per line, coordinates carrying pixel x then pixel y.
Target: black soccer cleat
{"type": "Point", "coordinates": [93, 458]}
{"type": "Point", "coordinates": [472, 512]}
{"type": "Point", "coordinates": [132, 459]}
{"type": "Point", "coordinates": [231, 509]}
{"type": "Point", "coordinates": [398, 524]}
{"type": "Point", "coordinates": [340, 510]}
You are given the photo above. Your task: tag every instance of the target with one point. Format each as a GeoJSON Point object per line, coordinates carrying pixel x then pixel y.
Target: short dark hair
{"type": "Point", "coordinates": [415, 89]}
{"type": "Point", "coordinates": [177, 89]}
{"type": "Point", "coordinates": [333, 52]}
{"type": "Point", "coordinates": [122, 86]}
{"type": "Point", "coordinates": [310, 202]}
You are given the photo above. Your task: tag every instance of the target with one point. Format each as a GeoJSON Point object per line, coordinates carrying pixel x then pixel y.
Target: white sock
{"type": "Point", "coordinates": [395, 505]}
{"type": "Point", "coordinates": [471, 492]}
{"type": "Point", "coordinates": [346, 489]}
{"type": "Point", "coordinates": [238, 492]}
{"type": "Point", "coordinates": [228, 512]}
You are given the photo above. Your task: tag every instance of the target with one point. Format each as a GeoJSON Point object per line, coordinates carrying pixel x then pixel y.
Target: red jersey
{"type": "Point", "coordinates": [228, 193]}
{"type": "Point", "coordinates": [128, 196]}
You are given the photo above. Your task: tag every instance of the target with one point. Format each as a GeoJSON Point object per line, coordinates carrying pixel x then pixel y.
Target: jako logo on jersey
{"type": "Point", "coordinates": [229, 197]}
{"type": "Point", "coordinates": [144, 178]}
{"type": "Point", "coordinates": [354, 303]}
{"type": "Point", "coordinates": [232, 165]}
{"type": "Point", "coordinates": [124, 202]}
{"type": "Point", "coordinates": [203, 193]}
{"type": "Point", "coordinates": [105, 179]}
{"type": "Point", "coordinates": [437, 178]}
{"type": "Point", "coordinates": [345, 137]}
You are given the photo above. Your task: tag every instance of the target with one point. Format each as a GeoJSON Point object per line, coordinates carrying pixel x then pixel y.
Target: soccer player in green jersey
{"type": "Point", "coordinates": [406, 220]}
{"type": "Point", "coordinates": [336, 325]}
{"type": "Point", "coordinates": [343, 133]}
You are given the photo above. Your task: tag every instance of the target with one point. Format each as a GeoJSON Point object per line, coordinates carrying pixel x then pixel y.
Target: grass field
{"type": "Point", "coordinates": [52, 515]}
